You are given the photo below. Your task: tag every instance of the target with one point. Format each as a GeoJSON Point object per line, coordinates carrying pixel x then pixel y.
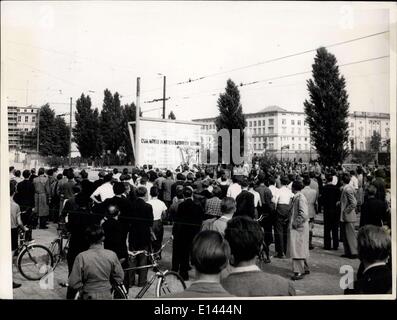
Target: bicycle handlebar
{"type": "Point", "coordinates": [146, 253]}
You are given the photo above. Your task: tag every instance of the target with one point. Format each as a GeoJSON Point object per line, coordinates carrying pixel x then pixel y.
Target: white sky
{"type": "Point", "coordinates": [59, 49]}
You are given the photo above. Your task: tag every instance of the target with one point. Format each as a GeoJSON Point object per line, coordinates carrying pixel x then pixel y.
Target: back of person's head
{"type": "Point", "coordinates": [206, 184]}
{"type": "Point", "coordinates": [101, 174]}
{"type": "Point", "coordinates": [217, 191]}
{"type": "Point", "coordinates": [160, 174]}
{"type": "Point", "coordinates": [141, 192]}
{"type": "Point", "coordinates": [190, 176]}
{"type": "Point", "coordinates": [11, 169]}
{"type": "Point", "coordinates": [50, 172]}
{"type": "Point", "coordinates": [168, 173]}
{"type": "Point", "coordinates": [373, 244]}
{"type": "Point", "coordinates": [284, 180]}
{"type": "Point", "coordinates": [115, 171]}
{"type": "Point", "coordinates": [245, 237]}
{"type": "Point", "coordinates": [33, 170]}
{"type": "Point", "coordinates": [291, 177]}
{"type": "Point", "coordinates": [108, 177]}
{"type": "Point", "coordinates": [144, 179]}
{"type": "Point", "coordinates": [84, 174]}
{"type": "Point", "coordinates": [244, 184]}
{"type": "Point", "coordinates": [41, 171]}
{"type": "Point", "coordinates": [179, 192]}
{"type": "Point", "coordinates": [261, 178]}
{"type": "Point", "coordinates": [65, 172]}
{"type": "Point", "coordinates": [118, 188]}
{"type": "Point", "coordinates": [70, 175]}
{"type": "Point", "coordinates": [371, 190]}
{"type": "Point", "coordinates": [94, 234]}
{"type": "Point", "coordinates": [125, 171]}
{"type": "Point", "coordinates": [228, 205]}
{"type": "Point", "coordinates": [113, 210]}
{"type": "Point", "coordinates": [187, 192]}
{"type": "Point", "coordinates": [154, 191]}
{"type": "Point", "coordinates": [209, 252]}
{"type": "Point", "coordinates": [306, 180]}
{"type": "Point", "coordinates": [59, 176]}
{"type": "Point", "coordinates": [346, 178]}
{"type": "Point", "coordinates": [180, 176]}
{"type": "Point", "coordinates": [352, 172]}
{"type": "Point", "coordinates": [312, 174]}
{"type": "Point", "coordinates": [297, 185]}
{"type": "Point", "coordinates": [17, 173]}
{"type": "Point", "coordinates": [329, 177]}
{"type": "Point", "coordinates": [234, 179]}
{"type": "Point", "coordinates": [26, 174]}
{"type": "Point", "coordinates": [198, 175]}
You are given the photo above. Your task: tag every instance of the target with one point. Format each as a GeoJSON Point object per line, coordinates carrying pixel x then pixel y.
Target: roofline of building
{"type": "Point", "coordinates": [362, 114]}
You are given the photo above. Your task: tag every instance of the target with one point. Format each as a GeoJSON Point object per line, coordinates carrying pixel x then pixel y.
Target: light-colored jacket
{"type": "Point", "coordinates": [311, 197]}
{"type": "Point", "coordinates": [298, 234]}
{"type": "Point", "coordinates": [348, 204]}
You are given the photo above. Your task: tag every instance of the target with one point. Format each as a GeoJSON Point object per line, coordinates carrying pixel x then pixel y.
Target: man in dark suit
{"type": "Point", "coordinates": [374, 245]}
{"type": "Point", "coordinates": [141, 231]}
{"type": "Point", "coordinates": [329, 198]}
{"type": "Point", "coordinates": [245, 202]}
{"type": "Point", "coordinates": [25, 199]}
{"type": "Point", "coordinates": [266, 211]}
{"type": "Point", "coordinates": [373, 210]}
{"type": "Point", "coordinates": [87, 187]}
{"type": "Point", "coordinates": [188, 220]}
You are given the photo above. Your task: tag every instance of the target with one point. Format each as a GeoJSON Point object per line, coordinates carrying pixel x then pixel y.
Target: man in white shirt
{"type": "Point", "coordinates": [282, 218]}
{"type": "Point", "coordinates": [105, 191]}
{"type": "Point", "coordinates": [159, 208]}
{"type": "Point", "coordinates": [234, 189]}
{"type": "Point", "coordinates": [116, 174]}
{"type": "Point", "coordinates": [273, 189]}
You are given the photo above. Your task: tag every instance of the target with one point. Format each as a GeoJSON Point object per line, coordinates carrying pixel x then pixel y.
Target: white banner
{"type": "Point", "coordinates": [168, 143]}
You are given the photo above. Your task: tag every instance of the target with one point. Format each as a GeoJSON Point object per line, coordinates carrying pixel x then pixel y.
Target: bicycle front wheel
{"type": "Point", "coordinates": [170, 283]}
{"type": "Point", "coordinates": [35, 261]}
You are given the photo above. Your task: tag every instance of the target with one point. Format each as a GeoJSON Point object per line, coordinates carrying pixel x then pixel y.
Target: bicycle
{"type": "Point", "coordinates": [34, 260]}
{"type": "Point", "coordinates": [60, 246]}
{"type": "Point", "coordinates": [167, 281]}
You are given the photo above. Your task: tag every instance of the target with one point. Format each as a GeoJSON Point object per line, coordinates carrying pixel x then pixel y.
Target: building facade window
{"type": "Point", "coordinates": [292, 130]}
{"type": "Point", "coordinates": [293, 122]}
{"type": "Point", "coordinates": [270, 130]}
{"type": "Point", "coordinates": [299, 130]}
{"type": "Point", "coordinates": [19, 118]}
{"type": "Point", "coordinates": [271, 122]}
{"type": "Point", "coordinates": [26, 118]}
{"type": "Point", "coordinates": [299, 122]}
{"type": "Point", "coordinates": [284, 121]}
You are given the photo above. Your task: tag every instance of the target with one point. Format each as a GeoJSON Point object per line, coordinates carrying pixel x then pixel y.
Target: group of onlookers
{"type": "Point", "coordinates": [220, 224]}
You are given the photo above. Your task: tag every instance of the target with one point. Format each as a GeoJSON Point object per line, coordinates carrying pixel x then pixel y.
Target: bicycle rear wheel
{"type": "Point", "coordinates": [170, 283]}
{"type": "Point", "coordinates": [35, 261]}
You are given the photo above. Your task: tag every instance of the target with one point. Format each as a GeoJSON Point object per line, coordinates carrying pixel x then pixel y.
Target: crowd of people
{"type": "Point", "coordinates": [221, 221]}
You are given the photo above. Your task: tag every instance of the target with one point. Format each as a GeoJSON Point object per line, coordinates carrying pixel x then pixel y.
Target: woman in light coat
{"type": "Point", "coordinates": [298, 233]}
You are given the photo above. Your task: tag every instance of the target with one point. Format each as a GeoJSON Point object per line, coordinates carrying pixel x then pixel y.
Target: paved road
{"type": "Point", "coordinates": [323, 280]}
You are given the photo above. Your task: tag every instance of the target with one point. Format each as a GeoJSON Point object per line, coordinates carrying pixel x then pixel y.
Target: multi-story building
{"type": "Point", "coordinates": [21, 122]}
{"type": "Point", "coordinates": [285, 133]}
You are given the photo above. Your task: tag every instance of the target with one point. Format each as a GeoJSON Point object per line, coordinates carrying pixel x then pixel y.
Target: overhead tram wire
{"type": "Point", "coordinates": [269, 61]}
{"type": "Point", "coordinates": [242, 85]}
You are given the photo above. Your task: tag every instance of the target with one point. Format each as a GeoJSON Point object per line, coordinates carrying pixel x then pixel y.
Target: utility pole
{"type": "Point", "coordinates": [70, 135]}
{"type": "Point", "coordinates": [137, 121]}
{"type": "Point", "coordinates": [164, 84]}
{"type": "Point", "coordinates": [38, 132]}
